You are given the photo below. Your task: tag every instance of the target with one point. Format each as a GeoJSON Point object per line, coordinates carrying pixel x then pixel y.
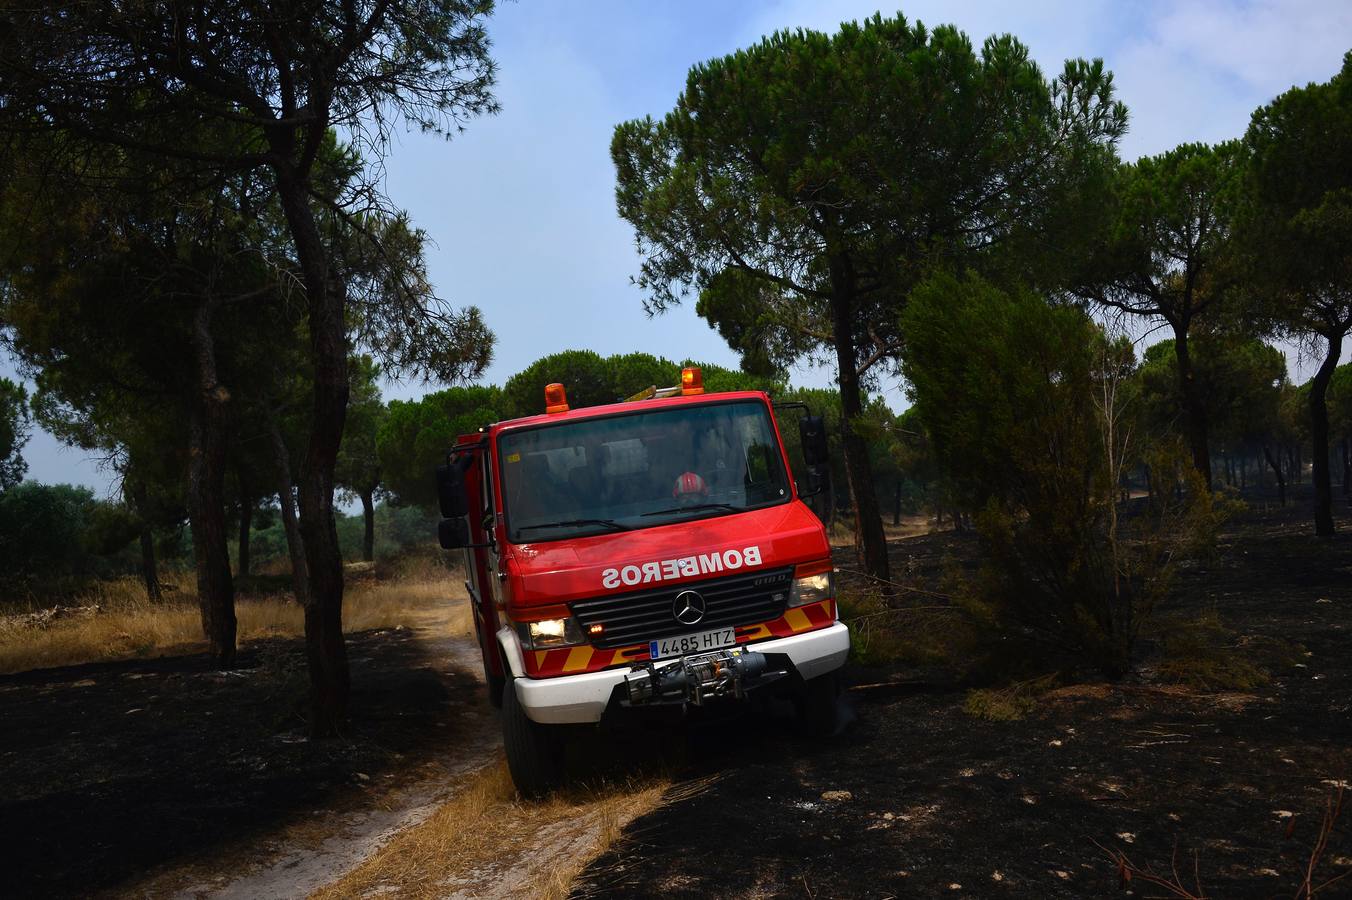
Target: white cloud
{"type": "Point", "coordinates": [1199, 70]}
{"type": "Point", "coordinates": [1267, 46]}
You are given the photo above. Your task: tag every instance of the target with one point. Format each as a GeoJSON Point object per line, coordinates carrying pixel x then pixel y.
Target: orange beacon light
{"type": "Point", "coordinates": [556, 400]}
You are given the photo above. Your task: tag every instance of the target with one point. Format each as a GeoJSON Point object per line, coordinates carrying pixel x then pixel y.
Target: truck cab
{"type": "Point", "coordinates": [655, 551]}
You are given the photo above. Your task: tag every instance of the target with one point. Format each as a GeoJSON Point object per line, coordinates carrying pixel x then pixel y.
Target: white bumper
{"type": "Point", "coordinates": [582, 698]}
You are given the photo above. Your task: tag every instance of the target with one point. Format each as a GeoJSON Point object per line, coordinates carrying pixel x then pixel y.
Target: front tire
{"type": "Point", "coordinates": [495, 682]}
{"type": "Point", "coordinates": [534, 751]}
{"type": "Point", "coordinates": [496, 685]}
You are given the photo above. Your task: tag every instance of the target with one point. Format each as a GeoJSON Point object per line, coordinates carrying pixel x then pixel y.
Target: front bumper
{"type": "Point", "coordinates": [567, 699]}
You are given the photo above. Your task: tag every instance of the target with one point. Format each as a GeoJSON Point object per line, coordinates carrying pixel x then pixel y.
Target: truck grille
{"type": "Point", "coordinates": [643, 616]}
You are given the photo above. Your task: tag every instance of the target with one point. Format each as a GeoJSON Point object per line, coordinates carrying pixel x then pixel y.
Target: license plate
{"type": "Point", "coordinates": [693, 643]}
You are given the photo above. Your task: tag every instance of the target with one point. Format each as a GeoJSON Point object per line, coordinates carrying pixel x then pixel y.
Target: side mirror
{"type": "Point", "coordinates": [453, 533]}
{"type": "Point", "coordinates": [812, 433]}
{"type": "Point", "coordinates": [810, 485]}
{"type": "Point", "coordinates": [451, 491]}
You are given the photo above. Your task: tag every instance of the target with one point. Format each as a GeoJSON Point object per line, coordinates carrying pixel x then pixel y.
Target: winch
{"type": "Point", "coordinates": [694, 679]}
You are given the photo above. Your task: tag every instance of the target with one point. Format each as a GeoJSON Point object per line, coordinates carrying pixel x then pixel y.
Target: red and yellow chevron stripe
{"type": "Point", "coordinates": [585, 658]}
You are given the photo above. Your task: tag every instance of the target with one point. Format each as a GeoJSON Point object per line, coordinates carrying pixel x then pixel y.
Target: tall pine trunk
{"type": "Point", "coordinates": [1347, 468]}
{"type": "Point", "coordinates": [1194, 411]}
{"type": "Point", "coordinates": [1277, 471]}
{"type": "Point", "coordinates": [206, 497]}
{"type": "Point", "coordinates": [368, 512]}
{"type": "Point", "coordinates": [870, 541]}
{"type": "Point", "coordinates": [1319, 439]}
{"type": "Point", "coordinates": [326, 652]}
{"type": "Point", "coordinates": [149, 569]}
{"type": "Point", "coordinates": [286, 500]}
{"type": "Point", "coordinates": [245, 524]}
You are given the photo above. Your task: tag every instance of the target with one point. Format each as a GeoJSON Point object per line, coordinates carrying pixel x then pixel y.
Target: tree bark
{"type": "Point", "coordinates": [1194, 411]}
{"type": "Point", "coordinates": [896, 503]}
{"type": "Point", "coordinates": [1347, 468]}
{"type": "Point", "coordinates": [245, 524]}
{"type": "Point", "coordinates": [286, 500]}
{"type": "Point", "coordinates": [149, 570]}
{"type": "Point", "coordinates": [870, 541]}
{"type": "Point", "coordinates": [206, 497]}
{"type": "Point", "coordinates": [206, 517]}
{"type": "Point", "coordinates": [1277, 471]}
{"type": "Point", "coordinates": [368, 541]}
{"type": "Point", "coordinates": [1319, 438]}
{"type": "Point", "coordinates": [326, 652]}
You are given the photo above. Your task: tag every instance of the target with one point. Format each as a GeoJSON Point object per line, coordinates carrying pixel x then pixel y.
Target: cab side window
{"type": "Point", "coordinates": [487, 492]}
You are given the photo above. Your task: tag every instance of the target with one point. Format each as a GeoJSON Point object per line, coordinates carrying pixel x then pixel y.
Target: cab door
{"type": "Point", "coordinates": [486, 520]}
{"type": "Point", "coordinates": [481, 571]}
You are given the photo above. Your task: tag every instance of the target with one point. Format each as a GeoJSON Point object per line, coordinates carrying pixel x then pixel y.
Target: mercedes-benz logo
{"type": "Point", "coordinates": [688, 608]}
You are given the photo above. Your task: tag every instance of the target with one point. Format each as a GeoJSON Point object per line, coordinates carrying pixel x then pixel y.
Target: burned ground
{"type": "Point", "coordinates": [113, 772]}
{"type": "Point", "coordinates": [1231, 785]}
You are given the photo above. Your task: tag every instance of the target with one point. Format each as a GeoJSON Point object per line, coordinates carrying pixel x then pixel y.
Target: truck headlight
{"type": "Point", "coordinates": [550, 633]}
{"type": "Point", "coordinates": [812, 583]}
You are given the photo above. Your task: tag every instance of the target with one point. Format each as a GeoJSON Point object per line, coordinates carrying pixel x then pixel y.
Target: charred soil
{"type": "Point", "coordinates": [917, 798]}
{"type": "Point", "coordinates": [117, 772]}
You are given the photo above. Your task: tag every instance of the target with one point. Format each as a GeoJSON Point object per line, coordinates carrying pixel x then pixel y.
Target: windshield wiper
{"type": "Point", "coordinates": [698, 506]}
{"type": "Point", "coordinates": [609, 523]}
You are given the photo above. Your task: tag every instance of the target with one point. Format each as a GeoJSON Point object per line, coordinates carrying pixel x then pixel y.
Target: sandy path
{"type": "Point", "coordinates": [526, 849]}
{"type": "Point", "coordinates": [299, 871]}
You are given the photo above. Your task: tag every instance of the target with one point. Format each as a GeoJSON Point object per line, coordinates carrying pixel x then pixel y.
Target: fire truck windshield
{"type": "Point", "coordinates": [639, 469]}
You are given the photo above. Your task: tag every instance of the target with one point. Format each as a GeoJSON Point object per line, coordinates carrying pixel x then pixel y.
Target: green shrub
{"type": "Point", "coordinates": [918, 635]}
{"type": "Point", "coordinates": [1201, 652]}
{"type": "Point", "coordinates": [1029, 406]}
{"type": "Point", "coordinates": [1007, 704]}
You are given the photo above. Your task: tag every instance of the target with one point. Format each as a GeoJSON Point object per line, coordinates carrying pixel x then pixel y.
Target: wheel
{"type": "Point", "coordinates": [496, 685]}
{"type": "Point", "coordinates": [495, 682]}
{"type": "Point", "coordinates": [534, 751]}
{"type": "Point", "coordinates": [817, 703]}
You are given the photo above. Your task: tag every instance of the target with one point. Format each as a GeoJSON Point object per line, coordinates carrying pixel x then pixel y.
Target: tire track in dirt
{"type": "Point", "coordinates": [513, 848]}
{"type": "Point", "coordinates": [355, 835]}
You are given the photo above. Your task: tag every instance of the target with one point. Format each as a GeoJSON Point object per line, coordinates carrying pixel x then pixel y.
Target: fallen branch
{"type": "Point", "coordinates": [1128, 870]}
{"type": "Point", "coordinates": [1333, 808]}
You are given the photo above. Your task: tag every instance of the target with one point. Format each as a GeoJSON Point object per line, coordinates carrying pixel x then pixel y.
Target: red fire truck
{"type": "Point", "coordinates": [654, 551]}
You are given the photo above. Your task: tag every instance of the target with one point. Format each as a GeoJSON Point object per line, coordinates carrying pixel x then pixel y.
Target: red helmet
{"type": "Point", "coordinates": [689, 484]}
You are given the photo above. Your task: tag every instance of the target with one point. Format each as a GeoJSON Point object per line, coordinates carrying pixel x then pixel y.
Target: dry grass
{"type": "Point", "coordinates": [485, 842]}
{"type": "Point", "coordinates": [1009, 703]}
{"type": "Point", "coordinates": [1205, 654]}
{"type": "Point", "coordinates": [841, 531]}
{"type": "Point", "coordinates": [126, 624]}
{"type": "Point", "coordinates": [919, 632]}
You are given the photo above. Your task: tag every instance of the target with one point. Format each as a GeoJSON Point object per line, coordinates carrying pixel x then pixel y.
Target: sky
{"type": "Point", "coordinates": [520, 207]}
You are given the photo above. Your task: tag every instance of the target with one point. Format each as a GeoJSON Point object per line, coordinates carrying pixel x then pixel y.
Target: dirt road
{"type": "Point", "coordinates": [166, 775]}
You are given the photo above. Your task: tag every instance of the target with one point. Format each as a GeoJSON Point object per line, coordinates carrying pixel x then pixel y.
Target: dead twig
{"type": "Point", "coordinates": [1333, 808]}
{"type": "Point", "coordinates": [1128, 870]}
